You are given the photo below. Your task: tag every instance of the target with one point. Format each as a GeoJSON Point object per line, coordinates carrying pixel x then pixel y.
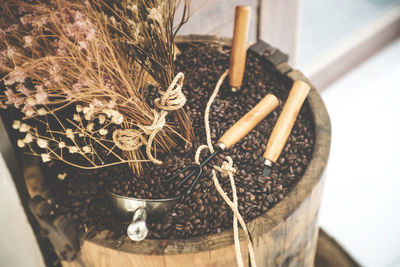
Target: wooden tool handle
{"type": "Point", "coordinates": [286, 120]}
{"type": "Point", "coordinates": [242, 127]}
{"type": "Point", "coordinates": [239, 46]}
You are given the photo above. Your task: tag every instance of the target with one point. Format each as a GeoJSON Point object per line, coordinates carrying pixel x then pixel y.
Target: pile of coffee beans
{"type": "Point", "coordinates": [82, 192]}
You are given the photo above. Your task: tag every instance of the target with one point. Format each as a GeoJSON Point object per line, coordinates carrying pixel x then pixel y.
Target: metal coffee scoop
{"type": "Point", "coordinates": [141, 208]}
{"type": "Point", "coordinates": [138, 209]}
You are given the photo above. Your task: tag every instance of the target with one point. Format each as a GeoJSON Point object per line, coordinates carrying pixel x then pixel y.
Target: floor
{"type": "Point", "coordinates": [362, 198]}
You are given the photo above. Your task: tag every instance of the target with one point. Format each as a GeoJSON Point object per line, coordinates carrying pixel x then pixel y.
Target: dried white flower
{"type": "Point", "coordinates": [88, 115]}
{"type": "Point", "coordinates": [42, 143]}
{"type": "Point", "coordinates": [90, 126]}
{"type": "Point", "coordinates": [31, 101]}
{"type": "Point", "coordinates": [78, 108]}
{"type": "Point", "coordinates": [108, 112]}
{"type": "Point", "coordinates": [77, 117]}
{"type": "Point", "coordinates": [82, 45]}
{"type": "Point", "coordinates": [29, 112]}
{"type": "Point", "coordinates": [45, 157]}
{"type": "Point", "coordinates": [85, 110]}
{"type": "Point", "coordinates": [24, 128]}
{"type": "Point", "coordinates": [20, 143]}
{"type": "Point", "coordinates": [87, 149]}
{"type": "Point", "coordinates": [103, 131]}
{"type": "Point", "coordinates": [117, 118]}
{"type": "Point", "coordinates": [28, 41]}
{"type": "Point", "coordinates": [113, 20]}
{"type": "Point", "coordinates": [102, 119]}
{"type": "Point", "coordinates": [28, 138]}
{"type": "Point", "coordinates": [42, 111]}
{"type": "Point", "coordinates": [61, 176]}
{"type": "Point", "coordinates": [61, 145]}
{"type": "Point", "coordinates": [69, 133]}
{"type": "Point", "coordinates": [73, 149]}
{"type": "Point", "coordinates": [16, 124]}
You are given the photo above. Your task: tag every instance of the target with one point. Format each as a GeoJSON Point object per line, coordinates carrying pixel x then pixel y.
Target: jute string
{"type": "Point", "coordinates": [226, 170]}
{"type": "Point", "coordinates": [132, 139]}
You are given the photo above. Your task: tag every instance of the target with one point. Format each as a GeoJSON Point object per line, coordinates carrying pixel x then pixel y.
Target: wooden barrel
{"type": "Point", "coordinates": [286, 235]}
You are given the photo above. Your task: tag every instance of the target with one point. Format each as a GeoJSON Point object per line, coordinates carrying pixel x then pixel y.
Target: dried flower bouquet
{"type": "Point", "coordinates": [79, 71]}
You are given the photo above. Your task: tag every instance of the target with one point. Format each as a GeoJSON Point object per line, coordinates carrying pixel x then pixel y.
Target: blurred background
{"type": "Point", "coordinates": [350, 50]}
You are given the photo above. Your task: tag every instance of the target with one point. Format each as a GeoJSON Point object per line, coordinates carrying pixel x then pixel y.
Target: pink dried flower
{"type": "Point", "coordinates": [26, 107]}
{"type": "Point", "coordinates": [111, 104]}
{"type": "Point", "coordinates": [61, 47]}
{"type": "Point", "coordinates": [97, 103]}
{"type": "Point", "coordinates": [22, 89]}
{"type": "Point", "coordinates": [91, 35]}
{"type": "Point", "coordinates": [28, 41]}
{"type": "Point", "coordinates": [82, 45]}
{"type": "Point", "coordinates": [13, 99]}
{"type": "Point", "coordinates": [39, 21]}
{"type": "Point", "coordinates": [54, 71]}
{"type": "Point", "coordinates": [78, 16]}
{"type": "Point", "coordinates": [26, 19]}
{"type": "Point", "coordinates": [83, 80]}
{"type": "Point", "coordinates": [41, 95]}
{"type": "Point", "coordinates": [17, 75]}
{"type": "Point", "coordinates": [21, 10]}
{"type": "Point", "coordinates": [11, 52]}
{"type": "Point", "coordinates": [12, 28]}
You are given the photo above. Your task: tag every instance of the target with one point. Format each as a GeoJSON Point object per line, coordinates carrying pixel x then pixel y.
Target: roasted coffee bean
{"type": "Point", "coordinates": [199, 201]}
{"type": "Point", "coordinates": [166, 226]}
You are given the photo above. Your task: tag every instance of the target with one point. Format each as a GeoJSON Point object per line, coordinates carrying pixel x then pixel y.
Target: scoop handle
{"type": "Point", "coordinates": [239, 46]}
{"type": "Point", "coordinates": [137, 230]}
{"type": "Point", "coordinates": [252, 118]}
{"type": "Point", "coordinates": [286, 120]}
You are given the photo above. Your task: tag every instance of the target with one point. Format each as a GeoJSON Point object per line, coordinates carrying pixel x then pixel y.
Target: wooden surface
{"type": "Point", "coordinates": [286, 235]}
{"type": "Point", "coordinates": [331, 254]}
{"type": "Point", "coordinates": [286, 120]}
{"type": "Point", "coordinates": [239, 46]}
{"type": "Point", "coordinates": [250, 120]}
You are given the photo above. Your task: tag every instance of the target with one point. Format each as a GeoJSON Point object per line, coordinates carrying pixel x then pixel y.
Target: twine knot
{"type": "Point", "coordinates": [128, 139]}
{"type": "Point", "coordinates": [172, 98]}
{"type": "Point", "coordinates": [132, 139]}
{"type": "Point", "coordinates": [226, 168]}
{"type": "Point", "coordinates": [157, 125]}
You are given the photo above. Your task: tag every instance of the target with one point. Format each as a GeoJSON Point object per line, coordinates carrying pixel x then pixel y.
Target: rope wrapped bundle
{"type": "Point", "coordinates": [132, 139]}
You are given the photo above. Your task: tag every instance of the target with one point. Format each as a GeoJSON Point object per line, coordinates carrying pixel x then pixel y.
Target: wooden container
{"type": "Point", "coordinates": [286, 235]}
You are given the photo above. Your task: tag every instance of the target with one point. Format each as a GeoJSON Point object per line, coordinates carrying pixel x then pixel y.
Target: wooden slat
{"type": "Point", "coordinates": [201, 259]}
